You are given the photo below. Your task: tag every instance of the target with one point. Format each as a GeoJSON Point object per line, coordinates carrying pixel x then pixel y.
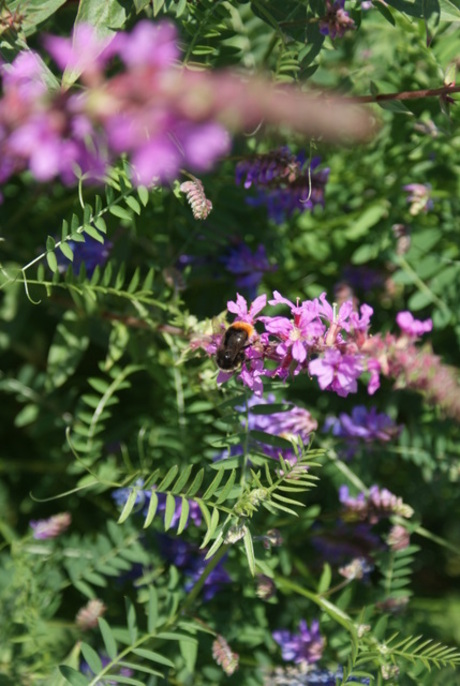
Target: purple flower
{"type": "Point", "coordinates": [52, 527]}
{"type": "Point", "coordinates": [284, 182]}
{"type": "Point", "coordinates": [247, 266]}
{"type": "Point", "coordinates": [377, 504]}
{"type": "Point", "coordinates": [362, 426]}
{"type": "Point", "coordinates": [189, 559]}
{"type": "Point", "coordinates": [85, 51]}
{"type": "Point", "coordinates": [336, 21]}
{"type": "Point", "coordinates": [337, 372]}
{"type": "Point", "coordinates": [240, 308]}
{"type": "Point", "coordinates": [413, 327]}
{"type": "Point", "coordinates": [346, 540]}
{"type": "Point", "coordinates": [305, 647]}
{"type": "Point", "coordinates": [149, 44]}
{"type": "Point", "coordinates": [312, 677]}
{"type": "Point", "coordinates": [91, 253]}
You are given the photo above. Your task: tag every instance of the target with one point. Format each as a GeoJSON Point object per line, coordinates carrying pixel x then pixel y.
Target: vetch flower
{"type": "Point", "coordinates": [305, 647]}
{"type": "Point", "coordinates": [362, 426]}
{"type": "Point", "coordinates": [419, 197]}
{"type": "Point", "coordinates": [248, 267]}
{"type": "Point", "coordinates": [359, 569]}
{"type": "Point", "coordinates": [374, 506]}
{"type": "Point", "coordinates": [284, 182]}
{"type": "Point", "coordinates": [91, 253]}
{"type": "Point", "coordinates": [88, 615]}
{"type": "Point", "coordinates": [336, 21]}
{"type": "Point", "coordinates": [224, 656]}
{"type": "Point", "coordinates": [52, 527]}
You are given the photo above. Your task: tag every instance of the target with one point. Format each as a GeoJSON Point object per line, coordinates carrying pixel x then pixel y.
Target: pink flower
{"type": "Point", "coordinates": [413, 327]}
{"type": "Point", "coordinates": [240, 308]}
{"type": "Point", "coordinates": [337, 372]}
{"type": "Point", "coordinates": [85, 51]}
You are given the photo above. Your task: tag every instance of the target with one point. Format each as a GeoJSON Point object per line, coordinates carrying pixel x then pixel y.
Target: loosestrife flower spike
{"type": "Point", "coordinates": [161, 116]}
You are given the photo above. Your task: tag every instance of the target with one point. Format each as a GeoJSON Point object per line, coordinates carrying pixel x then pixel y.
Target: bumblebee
{"type": "Point", "coordinates": [230, 353]}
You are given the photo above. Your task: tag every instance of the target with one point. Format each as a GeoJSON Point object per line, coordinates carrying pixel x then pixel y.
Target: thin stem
{"type": "Point", "coordinates": [407, 95]}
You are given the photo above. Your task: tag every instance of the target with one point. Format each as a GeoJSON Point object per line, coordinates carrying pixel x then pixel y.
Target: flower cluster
{"type": "Point", "coordinates": [56, 133]}
{"type": "Point", "coordinates": [296, 423]}
{"type": "Point", "coordinates": [336, 21]}
{"type": "Point", "coordinates": [247, 266]}
{"type": "Point", "coordinates": [190, 560]}
{"type": "Point", "coordinates": [362, 426]}
{"type": "Point", "coordinates": [52, 527]}
{"type": "Point", "coordinates": [162, 117]}
{"type": "Point", "coordinates": [315, 339]}
{"type": "Point", "coordinates": [305, 647]}
{"type": "Point", "coordinates": [284, 181]}
{"type": "Point", "coordinates": [419, 198]}
{"type": "Point", "coordinates": [312, 676]}
{"type": "Point", "coordinates": [224, 656]}
{"type": "Point", "coordinates": [374, 506]}
{"type": "Point", "coordinates": [91, 253]}
{"type": "Point", "coordinates": [142, 502]}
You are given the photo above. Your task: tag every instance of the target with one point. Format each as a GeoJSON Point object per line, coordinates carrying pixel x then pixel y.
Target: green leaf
{"type": "Point", "coordinates": [131, 620]}
{"type": "Point", "coordinates": [170, 510]}
{"type": "Point", "coordinates": [133, 204]}
{"type": "Point", "coordinates": [105, 18]}
{"type": "Point", "coordinates": [143, 194]}
{"type": "Point", "coordinates": [153, 657]}
{"type": "Point", "coordinates": [50, 243]}
{"type": "Point", "coordinates": [270, 439]}
{"type": "Point", "coordinates": [185, 509]}
{"type": "Point", "coordinates": [169, 478]}
{"type": "Point", "coordinates": [66, 250]}
{"type": "Point", "coordinates": [249, 550]}
{"type": "Point", "coordinates": [120, 212]}
{"type": "Point", "coordinates": [93, 232]}
{"type": "Point", "coordinates": [153, 504]}
{"type": "Point", "coordinates": [128, 506]}
{"type": "Point", "coordinates": [73, 677]}
{"type": "Point", "coordinates": [99, 223]}
{"type": "Point", "coordinates": [108, 638]}
{"type": "Point", "coordinates": [449, 11]}
{"type": "Point", "coordinates": [67, 347]}
{"type": "Point", "coordinates": [52, 261]}
{"type": "Point", "coordinates": [91, 657]}
{"type": "Point", "coordinates": [35, 12]}
{"type": "Point", "coordinates": [152, 610]}
{"type": "Point", "coordinates": [196, 484]}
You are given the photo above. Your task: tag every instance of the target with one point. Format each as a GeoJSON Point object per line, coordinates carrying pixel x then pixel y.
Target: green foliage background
{"type": "Point", "coordinates": [98, 386]}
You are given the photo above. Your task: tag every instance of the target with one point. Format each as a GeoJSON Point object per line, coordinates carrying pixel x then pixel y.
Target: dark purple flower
{"type": "Point", "coordinates": [413, 327]}
{"type": "Point", "coordinates": [247, 266]}
{"type": "Point", "coordinates": [336, 21]}
{"type": "Point", "coordinates": [91, 253]}
{"type": "Point", "coordinates": [362, 426]}
{"type": "Point", "coordinates": [52, 527]}
{"type": "Point", "coordinates": [189, 559]}
{"type": "Point", "coordinates": [305, 647]}
{"type": "Point", "coordinates": [346, 540]}
{"type": "Point", "coordinates": [284, 182]}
